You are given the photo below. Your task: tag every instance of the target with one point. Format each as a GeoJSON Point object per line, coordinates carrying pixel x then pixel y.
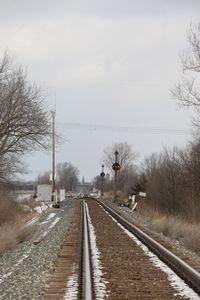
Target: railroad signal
{"type": "Point", "coordinates": [116, 167]}
{"type": "Point", "coordinates": [102, 174]}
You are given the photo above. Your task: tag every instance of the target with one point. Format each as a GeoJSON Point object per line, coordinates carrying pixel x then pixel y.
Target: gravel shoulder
{"type": "Point", "coordinates": [25, 270]}
{"type": "Point", "coordinates": [134, 216]}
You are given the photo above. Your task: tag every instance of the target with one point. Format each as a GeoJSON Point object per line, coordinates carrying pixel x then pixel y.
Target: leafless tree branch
{"type": "Point", "coordinates": [24, 121]}
{"type": "Point", "coordinates": [187, 92]}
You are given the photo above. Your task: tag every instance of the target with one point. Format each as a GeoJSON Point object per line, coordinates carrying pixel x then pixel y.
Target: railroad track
{"type": "Point", "coordinates": [104, 257]}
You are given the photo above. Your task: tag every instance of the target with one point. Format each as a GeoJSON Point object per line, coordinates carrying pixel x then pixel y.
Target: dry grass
{"type": "Point", "coordinates": [191, 238]}
{"type": "Point", "coordinates": [187, 234]}
{"type": "Point", "coordinates": [8, 239]}
{"type": "Point", "coordinates": [12, 219]}
{"type": "Point", "coordinates": [120, 197]}
{"type": "Point", "coordinates": [9, 209]}
{"type": "Point", "coordinates": [13, 234]}
{"type": "Point", "coordinates": [108, 195]}
{"type": "Point", "coordinates": [30, 202]}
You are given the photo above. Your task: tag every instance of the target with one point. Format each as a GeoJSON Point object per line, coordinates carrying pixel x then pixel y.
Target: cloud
{"type": "Point", "coordinates": [86, 50]}
{"type": "Point", "coordinates": [36, 9]}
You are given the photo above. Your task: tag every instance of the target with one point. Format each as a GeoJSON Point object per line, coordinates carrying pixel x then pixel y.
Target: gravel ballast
{"type": "Point", "coordinates": [25, 270]}
{"type": "Point", "coordinates": [146, 222]}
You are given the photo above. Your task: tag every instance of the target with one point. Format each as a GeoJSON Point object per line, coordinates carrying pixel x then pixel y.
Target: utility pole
{"type": "Point", "coordinates": [53, 113]}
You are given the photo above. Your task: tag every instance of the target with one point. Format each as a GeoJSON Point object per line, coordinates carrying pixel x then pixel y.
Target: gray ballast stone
{"type": "Point", "coordinates": [25, 271]}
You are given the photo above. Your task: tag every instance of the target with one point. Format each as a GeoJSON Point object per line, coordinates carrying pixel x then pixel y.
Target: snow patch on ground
{"type": "Point", "coordinates": [50, 216]}
{"type": "Point", "coordinates": [71, 291]}
{"type": "Point", "coordinates": [99, 282]}
{"type": "Point", "coordinates": [49, 228]}
{"type": "Point", "coordinates": [25, 196]}
{"type": "Point", "coordinates": [41, 208]}
{"type": "Point", "coordinates": [32, 221]}
{"type": "Point", "coordinates": [176, 282]}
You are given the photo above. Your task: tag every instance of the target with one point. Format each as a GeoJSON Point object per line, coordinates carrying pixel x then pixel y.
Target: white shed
{"type": "Point", "coordinates": [44, 192]}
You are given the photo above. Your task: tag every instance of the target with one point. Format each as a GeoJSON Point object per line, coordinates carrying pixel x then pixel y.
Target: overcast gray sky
{"type": "Point", "coordinates": [109, 62]}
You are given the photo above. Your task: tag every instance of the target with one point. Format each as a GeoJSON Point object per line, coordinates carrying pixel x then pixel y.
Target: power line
{"type": "Point", "coordinates": [136, 130]}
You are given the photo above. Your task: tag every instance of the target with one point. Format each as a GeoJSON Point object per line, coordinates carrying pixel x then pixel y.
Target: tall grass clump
{"type": "Point", "coordinates": [12, 229]}
{"type": "Point", "coordinates": [179, 229]}
{"type": "Point", "coordinates": [10, 210]}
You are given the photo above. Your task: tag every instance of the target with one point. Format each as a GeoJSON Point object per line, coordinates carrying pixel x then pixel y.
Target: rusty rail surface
{"type": "Point", "coordinates": [87, 274]}
{"type": "Point", "coordinates": [182, 269]}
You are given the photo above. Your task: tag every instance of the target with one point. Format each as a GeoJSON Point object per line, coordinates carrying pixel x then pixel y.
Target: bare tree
{"type": "Point", "coordinates": [163, 175]}
{"type": "Point", "coordinates": [44, 178]}
{"type": "Point", "coordinates": [126, 156]}
{"type": "Point", "coordinates": [188, 90]}
{"type": "Point", "coordinates": [173, 181]}
{"type": "Point", "coordinates": [67, 176]}
{"type": "Point", "coordinates": [190, 158]}
{"type": "Point", "coordinates": [97, 182]}
{"type": "Point", "coordinates": [24, 121]}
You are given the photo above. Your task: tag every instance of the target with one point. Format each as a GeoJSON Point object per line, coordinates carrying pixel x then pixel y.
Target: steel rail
{"type": "Point", "coordinates": [87, 276]}
{"type": "Point", "coordinates": [182, 269]}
